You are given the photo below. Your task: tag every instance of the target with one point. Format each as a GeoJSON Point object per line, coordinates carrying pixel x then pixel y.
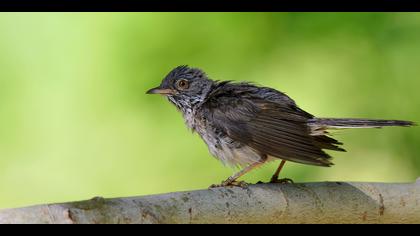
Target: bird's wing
{"type": "Point", "coordinates": [271, 128]}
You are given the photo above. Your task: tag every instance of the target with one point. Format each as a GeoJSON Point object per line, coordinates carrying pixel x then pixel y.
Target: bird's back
{"type": "Point", "coordinates": [265, 121]}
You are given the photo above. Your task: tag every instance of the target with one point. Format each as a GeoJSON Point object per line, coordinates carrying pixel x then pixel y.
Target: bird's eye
{"type": "Point", "coordinates": [182, 84]}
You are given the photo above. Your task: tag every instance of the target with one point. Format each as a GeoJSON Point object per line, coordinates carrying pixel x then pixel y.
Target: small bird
{"type": "Point", "coordinates": [245, 125]}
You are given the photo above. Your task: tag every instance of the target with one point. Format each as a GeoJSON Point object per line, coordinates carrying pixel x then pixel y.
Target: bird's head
{"type": "Point", "coordinates": [184, 86]}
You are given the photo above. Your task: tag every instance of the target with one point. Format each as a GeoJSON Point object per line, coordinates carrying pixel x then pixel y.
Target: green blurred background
{"type": "Point", "coordinates": [75, 121]}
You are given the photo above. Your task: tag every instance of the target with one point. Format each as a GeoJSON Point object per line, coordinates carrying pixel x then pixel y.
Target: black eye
{"type": "Point", "coordinates": [182, 84]}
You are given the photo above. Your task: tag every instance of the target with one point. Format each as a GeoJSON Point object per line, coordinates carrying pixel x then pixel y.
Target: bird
{"type": "Point", "coordinates": [246, 125]}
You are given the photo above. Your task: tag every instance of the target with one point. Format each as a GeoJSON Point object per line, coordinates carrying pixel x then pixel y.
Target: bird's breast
{"type": "Point", "coordinates": [220, 145]}
{"type": "Point", "coordinates": [189, 119]}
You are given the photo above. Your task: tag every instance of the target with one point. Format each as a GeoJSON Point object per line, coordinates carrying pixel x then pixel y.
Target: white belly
{"type": "Point", "coordinates": [229, 152]}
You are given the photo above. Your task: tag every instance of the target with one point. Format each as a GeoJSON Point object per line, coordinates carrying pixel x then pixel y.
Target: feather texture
{"type": "Point", "coordinates": [277, 129]}
{"type": "Point", "coordinates": [243, 124]}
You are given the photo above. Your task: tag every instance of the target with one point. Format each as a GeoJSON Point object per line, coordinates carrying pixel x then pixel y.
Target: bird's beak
{"type": "Point", "coordinates": [159, 90]}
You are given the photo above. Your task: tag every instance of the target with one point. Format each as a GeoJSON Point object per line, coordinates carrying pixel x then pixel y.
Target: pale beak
{"type": "Point", "coordinates": [159, 90]}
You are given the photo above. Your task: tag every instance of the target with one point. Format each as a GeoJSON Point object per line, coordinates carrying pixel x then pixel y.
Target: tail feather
{"type": "Point", "coordinates": [319, 129]}
{"type": "Point", "coordinates": [320, 125]}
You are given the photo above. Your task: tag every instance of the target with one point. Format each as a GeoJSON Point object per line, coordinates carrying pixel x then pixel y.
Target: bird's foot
{"type": "Point", "coordinates": [278, 181]}
{"type": "Point", "coordinates": [241, 184]}
{"type": "Point", "coordinates": [281, 181]}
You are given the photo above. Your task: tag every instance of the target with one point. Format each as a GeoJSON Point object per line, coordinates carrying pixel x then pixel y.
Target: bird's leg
{"type": "Point", "coordinates": [231, 181]}
{"type": "Point", "coordinates": [275, 178]}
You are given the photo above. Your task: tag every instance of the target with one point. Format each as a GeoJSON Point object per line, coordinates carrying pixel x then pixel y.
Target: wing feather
{"type": "Point", "coordinates": [271, 128]}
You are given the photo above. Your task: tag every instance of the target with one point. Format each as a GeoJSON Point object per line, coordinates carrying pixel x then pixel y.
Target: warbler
{"type": "Point", "coordinates": [245, 125]}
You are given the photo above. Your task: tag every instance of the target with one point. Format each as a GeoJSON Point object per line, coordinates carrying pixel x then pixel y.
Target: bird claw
{"type": "Point", "coordinates": [241, 184]}
{"type": "Point", "coordinates": [281, 181]}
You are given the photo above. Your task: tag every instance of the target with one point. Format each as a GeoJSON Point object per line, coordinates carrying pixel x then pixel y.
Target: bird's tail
{"type": "Point", "coordinates": [319, 125]}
